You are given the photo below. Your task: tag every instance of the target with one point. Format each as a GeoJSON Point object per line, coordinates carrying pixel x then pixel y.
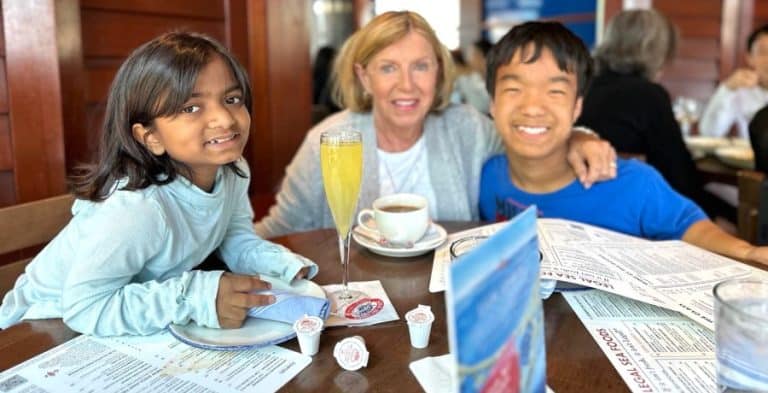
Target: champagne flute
{"type": "Point", "coordinates": [341, 160]}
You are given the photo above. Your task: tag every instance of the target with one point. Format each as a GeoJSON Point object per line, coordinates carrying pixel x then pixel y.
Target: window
{"type": "Point", "coordinates": [442, 15]}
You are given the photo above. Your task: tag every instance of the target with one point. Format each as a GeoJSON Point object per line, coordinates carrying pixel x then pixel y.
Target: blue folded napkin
{"type": "Point", "coordinates": [290, 306]}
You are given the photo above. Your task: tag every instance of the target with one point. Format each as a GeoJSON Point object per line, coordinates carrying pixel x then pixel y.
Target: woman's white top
{"type": "Point", "coordinates": [407, 172]}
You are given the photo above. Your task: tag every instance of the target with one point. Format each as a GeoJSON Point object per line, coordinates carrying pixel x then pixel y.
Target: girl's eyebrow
{"type": "Point", "coordinates": [230, 89]}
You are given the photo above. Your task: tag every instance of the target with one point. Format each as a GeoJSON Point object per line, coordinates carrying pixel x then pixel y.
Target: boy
{"type": "Point", "coordinates": [537, 76]}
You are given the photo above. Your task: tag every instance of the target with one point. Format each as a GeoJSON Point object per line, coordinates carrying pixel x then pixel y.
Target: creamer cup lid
{"type": "Point", "coordinates": [420, 314]}
{"type": "Point", "coordinates": [308, 325]}
{"type": "Point", "coordinates": [351, 353]}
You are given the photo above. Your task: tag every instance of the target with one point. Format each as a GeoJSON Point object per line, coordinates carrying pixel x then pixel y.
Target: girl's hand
{"type": "Point", "coordinates": [234, 298]}
{"type": "Point", "coordinates": [302, 273]}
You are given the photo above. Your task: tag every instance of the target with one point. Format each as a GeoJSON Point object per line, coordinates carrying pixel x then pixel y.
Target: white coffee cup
{"type": "Point", "coordinates": [400, 218]}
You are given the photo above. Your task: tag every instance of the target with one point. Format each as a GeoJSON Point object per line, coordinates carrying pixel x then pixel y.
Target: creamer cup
{"type": "Point", "coordinates": [351, 353]}
{"type": "Point", "coordinates": [308, 330]}
{"type": "Point", "coordinates": [420, 325]}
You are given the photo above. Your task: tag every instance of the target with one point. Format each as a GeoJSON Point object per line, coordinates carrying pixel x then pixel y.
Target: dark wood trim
{"type": "Point", "coordinates": [259, 151]}
{"type": "Point", "coordinates": [73, 82]}
{"type": "Point", "coordinates": [34, 95]}
{"type": "Point", "coordinates": [190, 8]}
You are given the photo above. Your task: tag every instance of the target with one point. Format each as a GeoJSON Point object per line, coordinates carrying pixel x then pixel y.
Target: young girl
{"type": "Point", "coordinates": [170, 187]}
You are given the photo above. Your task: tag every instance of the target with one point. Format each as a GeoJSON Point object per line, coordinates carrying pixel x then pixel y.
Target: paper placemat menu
{"type": "Point", "coordinates": [148, 364]}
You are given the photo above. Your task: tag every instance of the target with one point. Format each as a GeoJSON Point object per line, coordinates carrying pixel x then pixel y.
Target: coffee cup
{"type": "Point", "coordinates": [399, 218]}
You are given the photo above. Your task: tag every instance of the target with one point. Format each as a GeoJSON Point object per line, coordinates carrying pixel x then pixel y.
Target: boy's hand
{"type": "Point", "coordinates": [234, 298]}
{"type": "Point", "coordinates": [757, 254]}
{"type": "Point", "coordinates": [302, 273]}
{"type": "Point", "coordinates": [591, 158]}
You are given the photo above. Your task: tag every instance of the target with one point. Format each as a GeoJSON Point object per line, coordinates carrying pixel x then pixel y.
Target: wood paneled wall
{"type": "Point", "coordinates": [64, 53]}
{"type": "Point", "coordinates": [696, 69]}
{"type": "Point", "coordinates": [31, 133]}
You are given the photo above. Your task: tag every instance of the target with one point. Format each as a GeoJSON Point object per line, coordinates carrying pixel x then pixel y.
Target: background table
{"type": "Point", "coordinates": [574, 361]}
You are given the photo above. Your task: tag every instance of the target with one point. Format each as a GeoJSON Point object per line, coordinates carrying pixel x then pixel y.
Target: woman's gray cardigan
{"type": "Point", "coordinates": [458, 139]}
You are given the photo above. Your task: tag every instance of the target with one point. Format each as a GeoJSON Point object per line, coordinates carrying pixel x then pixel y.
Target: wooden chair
{"type": "Point", "coordinates": [750, 205]}
{"type": "Point", "coordinates": [27, 225]}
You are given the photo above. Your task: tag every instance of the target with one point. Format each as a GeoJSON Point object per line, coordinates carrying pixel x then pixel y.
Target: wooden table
{"type": "Point", "coordinates": [574, 361]}
{"type": "Point", "coordinates": [712, 169]}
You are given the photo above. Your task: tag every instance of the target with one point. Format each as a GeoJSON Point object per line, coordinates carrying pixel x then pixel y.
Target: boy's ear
{"type": "Point", "coordinates": [577, 108]}
{"type": "Point", "coordinates": [148, 139]}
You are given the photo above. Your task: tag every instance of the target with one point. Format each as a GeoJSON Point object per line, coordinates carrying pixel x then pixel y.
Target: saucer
{"type": "Point", "coordinates": [434, 237]}
{"type": "Point", "coordinates": [255, 332]}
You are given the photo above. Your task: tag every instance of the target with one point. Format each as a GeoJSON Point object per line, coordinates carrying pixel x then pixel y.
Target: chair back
{"type": "Point", "coordinates": [753, 208]}
{"type": "Point", "coordinates": [26, 225]}
{"type": "Point", "coordinates": [33, 223]}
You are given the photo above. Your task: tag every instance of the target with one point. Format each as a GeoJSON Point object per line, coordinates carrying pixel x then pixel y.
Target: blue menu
{"type": "Point", "coordinates": [495, 314]}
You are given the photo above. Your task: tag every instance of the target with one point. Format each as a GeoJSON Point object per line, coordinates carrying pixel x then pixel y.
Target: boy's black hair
{"type": "Point", "coordinates": [569, 51]}
{"type": "Point", "coordinates": [753, 37]}
{"type": "Point", "coordinates": [156, 80]}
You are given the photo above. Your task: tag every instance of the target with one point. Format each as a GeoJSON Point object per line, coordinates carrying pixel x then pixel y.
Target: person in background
{"type": "Point", "coordinates": [394, 78]}
{"type": "Point", "coordinates": [537, 76]}
{"type": "Point", "coordinates": [744, 92]}
{"type": "Point", "coordinates": [758, 136]}
{"type": "Point", "coordinates": [170, 187]}
{"type": "Point", "coordinates": [469, 87]}
{"type": "Point", "coordinates": [627, 106]}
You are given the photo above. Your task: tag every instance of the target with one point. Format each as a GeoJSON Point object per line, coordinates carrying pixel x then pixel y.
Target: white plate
{"type": "Point", "coordinates": [738, 156]}
{"type": "Point", "coordinates": [255, 333]}
{"type": "Point", "coordinates": [435, 236]}
{"type": "Point", "coordinates": [705, 144]}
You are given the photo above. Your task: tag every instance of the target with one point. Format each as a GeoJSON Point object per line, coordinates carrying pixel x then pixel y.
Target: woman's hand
{"type": "Point", "coordinates": [591, 158]}
{"type": "Point", "coordinates": [235, 298]}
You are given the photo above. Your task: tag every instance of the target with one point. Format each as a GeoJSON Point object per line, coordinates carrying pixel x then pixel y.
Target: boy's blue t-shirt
{"type": "Point", "coordinates": [638, 202]}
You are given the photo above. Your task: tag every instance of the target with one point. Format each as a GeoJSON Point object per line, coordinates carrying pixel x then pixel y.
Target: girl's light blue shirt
{"type": "Point", "coordinates": [124, 265]}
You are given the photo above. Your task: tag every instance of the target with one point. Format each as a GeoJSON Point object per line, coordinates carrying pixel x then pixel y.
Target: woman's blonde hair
{"type": "Point", "coordinates": [381, 32]}
{"type": "Point", "coordinates": [637, 41]}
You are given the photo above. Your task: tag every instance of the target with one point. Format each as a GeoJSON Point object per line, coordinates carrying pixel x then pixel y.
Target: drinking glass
{"type": "Point", "coordinates": [341, 161]}
{"type": "Point", "coordinates": [687, 112]}
{"type": "Point", "coordinates": [464, 245]}
{"type": "Point", "coordinates": [741, 335]}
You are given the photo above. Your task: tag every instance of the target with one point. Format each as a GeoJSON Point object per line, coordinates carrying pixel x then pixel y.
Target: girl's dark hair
{"type": "Point", "coordinates": [530, 38]}
{"type": "Point", "coordinates": [155, 81]}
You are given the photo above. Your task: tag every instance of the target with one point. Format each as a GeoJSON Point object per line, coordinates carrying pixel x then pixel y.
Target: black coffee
{"type": "Point", "coordinates": [398, 208]}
